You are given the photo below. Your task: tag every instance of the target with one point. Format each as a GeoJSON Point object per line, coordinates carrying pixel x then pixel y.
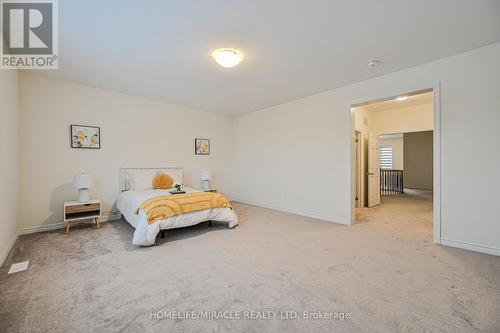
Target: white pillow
{"type": "Point", "coordinates": [141, 181]}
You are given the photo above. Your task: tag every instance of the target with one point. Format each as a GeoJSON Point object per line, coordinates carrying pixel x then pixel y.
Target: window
{"type": "Point", "coordinates": [386, 157]}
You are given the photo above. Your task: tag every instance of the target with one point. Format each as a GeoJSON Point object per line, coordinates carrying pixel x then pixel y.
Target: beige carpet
{"type": "Point", "coordinates": [385, 271]}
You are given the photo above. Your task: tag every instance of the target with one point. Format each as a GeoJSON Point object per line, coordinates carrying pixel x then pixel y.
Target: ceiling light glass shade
{"type": "Point", "coordinates": [227, 57]}
{"type": "Point", "coordinates": [402, 98]}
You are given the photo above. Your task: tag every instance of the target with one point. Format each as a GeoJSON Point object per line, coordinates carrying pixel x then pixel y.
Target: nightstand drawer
{"type": "Point", "coordinates": [83, 208]}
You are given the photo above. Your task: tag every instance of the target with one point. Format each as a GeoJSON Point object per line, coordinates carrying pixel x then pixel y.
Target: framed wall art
{"type": "Point", "coordinates": [85, 137]}
{"type": "Point", "coordinates": [202, 146]}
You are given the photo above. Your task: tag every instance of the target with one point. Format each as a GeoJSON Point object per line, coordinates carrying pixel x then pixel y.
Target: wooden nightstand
{"type": "Point", "coordinates": [76, 211]}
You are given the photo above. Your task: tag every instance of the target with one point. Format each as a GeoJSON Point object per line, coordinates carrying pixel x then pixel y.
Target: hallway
{"type": "Point", "coordinates": [410, 212]}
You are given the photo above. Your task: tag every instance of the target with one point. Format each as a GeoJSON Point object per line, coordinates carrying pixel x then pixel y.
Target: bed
{"type": "Point", "coordinates": [135, 189]}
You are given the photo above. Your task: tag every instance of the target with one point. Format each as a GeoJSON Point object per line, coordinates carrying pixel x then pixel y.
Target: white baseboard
{"type": "Point", "coordinates": [5, 252]}
{"type": "Point", "coordinates": [471, 246]}
{"type": "Point", "coordinates": [293, 211]}
{"type": "Point", "coordinates": [47, 227]}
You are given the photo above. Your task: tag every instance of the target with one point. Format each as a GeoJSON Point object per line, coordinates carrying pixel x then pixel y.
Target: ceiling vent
{"type": "Point", "coordinates": [374, 63]}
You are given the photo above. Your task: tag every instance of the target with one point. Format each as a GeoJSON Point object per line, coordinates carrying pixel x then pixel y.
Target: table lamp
{"type": "Point", "coordinates": [82, 182]}
{"type": "Point", "coordinates": [205, 179]}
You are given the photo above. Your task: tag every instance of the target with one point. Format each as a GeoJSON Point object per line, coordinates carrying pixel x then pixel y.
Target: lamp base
{"type": "Point", "coordinates": [83, 195]}
{"type": "Point", "coordinates": [205, 184]}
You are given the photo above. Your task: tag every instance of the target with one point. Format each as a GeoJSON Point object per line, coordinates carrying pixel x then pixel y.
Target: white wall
{"type": "Point", "coordinates": [403, 120]}
{"type": "Point", "coordinates": [303, 145]}
{"type": "Point", "coordinates": [9, 162]}
{"type": "Point", "coordinates": [135, 132]}
{"type": "Point", "coordinates": [397, 150]}
{"type": "Point", "coordinates": [287, 157]}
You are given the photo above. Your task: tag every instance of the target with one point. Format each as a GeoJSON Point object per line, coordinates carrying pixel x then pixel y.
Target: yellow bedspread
{"type": "Point", "coordinates": [165, 206]}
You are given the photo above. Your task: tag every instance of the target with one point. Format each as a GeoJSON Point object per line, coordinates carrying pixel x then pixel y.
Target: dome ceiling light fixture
{"type": "Point", "coordinates": [227, 57]}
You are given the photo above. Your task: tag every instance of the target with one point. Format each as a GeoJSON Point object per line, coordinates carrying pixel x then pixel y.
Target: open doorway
{"type": "Point", "coordinates": [394, 145]}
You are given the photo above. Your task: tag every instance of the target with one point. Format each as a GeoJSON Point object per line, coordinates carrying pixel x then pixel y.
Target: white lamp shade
{"type": "Point", "coordinates": [205, 175]}
{"type": "Point", "coordinates": [82, 181]}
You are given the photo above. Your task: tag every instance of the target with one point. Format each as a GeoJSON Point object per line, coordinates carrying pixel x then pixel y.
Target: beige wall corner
{"type": "Point", "coordinates": [9, 166]}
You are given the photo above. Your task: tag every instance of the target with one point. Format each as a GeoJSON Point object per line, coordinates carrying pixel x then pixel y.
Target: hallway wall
{"type": "Point", "coordinates": [396, 142]}
{"type": "Point", "coordinates": [418, 160]}
{"type": "Point", "coordinates": [403, 120]}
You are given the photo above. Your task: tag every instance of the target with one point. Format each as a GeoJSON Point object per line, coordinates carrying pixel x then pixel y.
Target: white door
{"type": "Point", "coordinates": [373, 170]}
{"type": "Point", "coordinates": [358, 169]}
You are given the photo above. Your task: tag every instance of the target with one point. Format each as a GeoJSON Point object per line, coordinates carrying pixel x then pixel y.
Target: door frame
{"type": "Point", "coordinates": [351, 167]}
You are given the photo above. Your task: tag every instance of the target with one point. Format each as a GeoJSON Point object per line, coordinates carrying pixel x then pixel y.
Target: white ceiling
{"type": "Point", "coordinates": [161, 49]}
{"type": "Point", "coordinates": [425, 98]}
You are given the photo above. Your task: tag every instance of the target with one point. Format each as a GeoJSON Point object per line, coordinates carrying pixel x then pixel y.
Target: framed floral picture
{"type": "Point", "coordinates": [85, 137]}
{"type": "Point", "coordinates": [202, 146]}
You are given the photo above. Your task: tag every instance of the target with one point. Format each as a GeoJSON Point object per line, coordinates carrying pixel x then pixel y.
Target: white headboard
{"type": "Point", "coordinates": [126, 174]}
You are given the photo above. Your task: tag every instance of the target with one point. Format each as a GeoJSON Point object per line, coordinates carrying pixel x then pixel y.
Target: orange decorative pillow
{"type": "Point", "coordinates": [162, 181]}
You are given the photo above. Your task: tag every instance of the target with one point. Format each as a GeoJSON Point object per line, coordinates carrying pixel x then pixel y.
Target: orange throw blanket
{"type": "Point", "coordinates": [165, 206]}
